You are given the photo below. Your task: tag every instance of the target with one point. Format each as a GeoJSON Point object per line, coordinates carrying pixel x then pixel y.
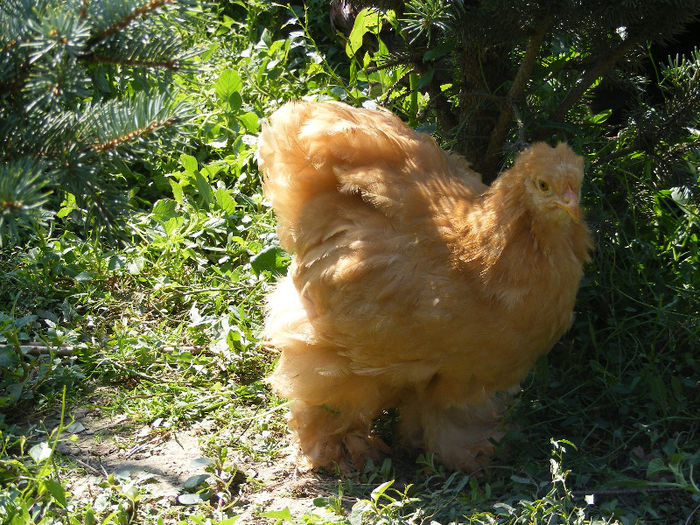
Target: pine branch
{"type": "Point", "coordinates": [172, 65]}
{"type": "Point", "coordinates": [589, 76]}
{"type": "Point", "coordinates": [22, 195]}
{"type": "Point", "coordinates": [659, 23]}
{"type": "Point", "coordinates": [124, 122]}
{"type": "Point", "coordinates": [62, 70]}
{"type": "Point", "coordinates": [129, 137]}
{"type": "Point", "coordinates": [127, 19]}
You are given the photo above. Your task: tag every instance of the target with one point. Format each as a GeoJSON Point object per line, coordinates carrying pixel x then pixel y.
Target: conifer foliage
{"type": "Point", "coordinates": [86, 89]}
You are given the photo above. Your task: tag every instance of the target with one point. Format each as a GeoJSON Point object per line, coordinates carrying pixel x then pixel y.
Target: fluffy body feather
{"type": "Point", "coordinates": [413, 285]}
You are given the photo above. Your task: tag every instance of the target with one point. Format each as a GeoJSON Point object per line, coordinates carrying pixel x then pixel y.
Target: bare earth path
{"type": "Point", "coordinates": [161, 467]}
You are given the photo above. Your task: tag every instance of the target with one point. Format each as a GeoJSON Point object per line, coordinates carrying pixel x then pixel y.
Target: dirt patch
{"type": "Point", "coordinates": [285, 487]}
{"type": "Point", "coordinates": [104, 446]}
{"type": "Point", "coordinates": [161, 463]}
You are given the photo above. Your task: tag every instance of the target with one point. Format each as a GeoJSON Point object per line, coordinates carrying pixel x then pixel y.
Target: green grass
{"type": "Point", "coordinates": [161, 332]}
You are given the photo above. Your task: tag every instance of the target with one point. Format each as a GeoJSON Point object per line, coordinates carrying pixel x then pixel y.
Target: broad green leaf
{"type": "Point", "coordinates": [204, 189]}
{"type": "Point", "coordinates": [656, 466]}
{"type": "Point", "coordinates": [228, 83]}
{"type": "Point", "coordinates": [7, 357]}
{"type": "Point", "coordinates": [367, 20]}
{"type": "Point", "coordinates": [188, 162]}
{"type": "Point", "coordinates": [206, 56]}
{"type": "Point", "coordinates": [210, 170]}
{"type": "Point", "coordinates": [88, 517]}
{"type": "Point", "coordinates": [507, 508]}
{"type": "Point", "coordinates": [202, 462]}
{"type": "Point", "coordinates": [40, 452]}
{"type": "Point", "coordinates": [196, 317]}
{"type": "Point", "coordinates": [601, 117]}
{"type": "Point", "coordinates": [190, 499]}
{"type": "Point", "coordinates": [266, 37]}
{"type": "Point", "coordinates": [164, 210]}
{"type": "Point", "coordinates": [520, 479]}
{"type": "Point", "coordinates": [218, 144]}
{"type": "Point", "coordinates": [425, 79]}
{"type": "Point", "coordinates": [359, 509]}
{"type": "Point", "coordinates": [15, 392]}
{"type": "Point", "coordinates": [269, 259]}
{"type": "Point", "coordinates": [439, 51]}
{"type": "Point", "coordinates": [381, 489]}
{"type": "Point", "coordinates": [56, 490]}
{"type": "Point", "coordinates": [225, 201]}
{"type": "Point", "coordinates": [173, 224]}
{"type": "Point", "coordinates": [177, 191]}
{"type": "Point", "coordinates": [75, 428]}
{"type": "Point", "coordinates": [194, 481]}
{"type": "Point", "coordinates": [235, 101]}
{"type": "Point", "coordinates": [135, 266]}
{"type": "Point", "coordinates": [250, 121]}
{"type": "Point", "coordinates": [28, 318]}
{"type": "Point", "coordinates": [284, 514]}
{"type": "Point", "coordinates": [228, 88]}
{"type": "Point", "coordinates": [67, 206]}
{"type": "Point", "coordinates": [115, 263]}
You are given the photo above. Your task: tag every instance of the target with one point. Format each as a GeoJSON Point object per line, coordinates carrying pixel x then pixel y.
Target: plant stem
{"type": "Point", "coordinates": [515, 93]}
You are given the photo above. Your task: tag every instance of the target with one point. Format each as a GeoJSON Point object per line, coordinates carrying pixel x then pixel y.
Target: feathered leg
{"type": "Point", "coordinates": [331, 408]}
{"type": "Point", "coordinates": [461, 435]}
{"type": "Point", "coordinates": [330, 413]}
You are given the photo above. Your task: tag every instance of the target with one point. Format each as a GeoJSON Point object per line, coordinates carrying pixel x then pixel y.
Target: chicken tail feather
{"type": "Point", "coordinates": [307, 150]}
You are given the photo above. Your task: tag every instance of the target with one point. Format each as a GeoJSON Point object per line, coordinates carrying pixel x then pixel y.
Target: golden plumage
{"type": "Point", "coordinates": [413, 285]}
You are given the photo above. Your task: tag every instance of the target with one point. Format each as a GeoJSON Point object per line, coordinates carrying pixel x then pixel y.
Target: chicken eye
{"type": "Point", "coordinates": [543, 185]}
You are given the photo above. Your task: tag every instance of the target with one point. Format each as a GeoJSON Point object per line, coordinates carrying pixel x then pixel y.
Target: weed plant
{"type": "Point", "coordinates": [163, 328]}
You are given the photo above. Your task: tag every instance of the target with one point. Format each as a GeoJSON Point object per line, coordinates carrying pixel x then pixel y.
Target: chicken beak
{"type": "Point", "coordinates": [569, 202]}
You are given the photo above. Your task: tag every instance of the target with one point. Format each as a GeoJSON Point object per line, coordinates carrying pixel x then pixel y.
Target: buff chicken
{"type": "Point", "coordinates": [413, 285]}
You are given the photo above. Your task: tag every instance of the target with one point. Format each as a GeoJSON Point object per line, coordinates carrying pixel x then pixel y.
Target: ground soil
{"type": "Point", "coordinates": [161, 462]}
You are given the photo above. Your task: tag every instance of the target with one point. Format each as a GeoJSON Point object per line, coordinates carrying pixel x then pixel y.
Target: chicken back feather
{"type": "Point", "coordinates": [413, 285]}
